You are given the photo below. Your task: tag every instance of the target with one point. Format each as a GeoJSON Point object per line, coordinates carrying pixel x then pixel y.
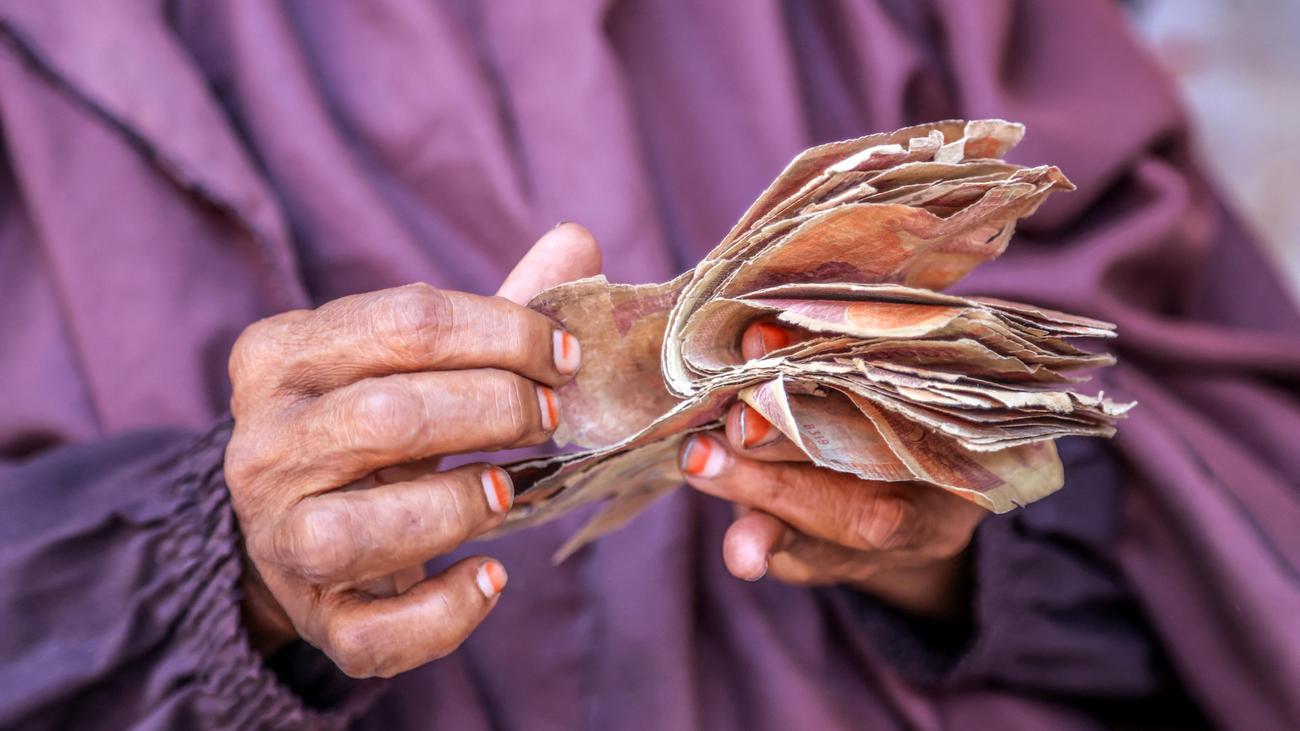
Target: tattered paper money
{"type": "Point", "coordinates": [893, 380]}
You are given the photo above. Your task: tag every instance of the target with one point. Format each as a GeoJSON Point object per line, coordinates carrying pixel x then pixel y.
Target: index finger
{"type": "Point", "coordinates": [417, 328]}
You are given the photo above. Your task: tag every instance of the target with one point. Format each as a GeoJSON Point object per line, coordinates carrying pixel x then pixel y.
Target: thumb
{"type": "Point", "coordinates": [564, 253]}
{"type": "Point", "coordinates": [749, 543]}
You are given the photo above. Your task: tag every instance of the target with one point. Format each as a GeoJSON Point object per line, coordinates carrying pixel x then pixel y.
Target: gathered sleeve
{"type": "Point", "coordinates": [1049, 612]}
{"type": "Point", "coordinates": [122, 567]}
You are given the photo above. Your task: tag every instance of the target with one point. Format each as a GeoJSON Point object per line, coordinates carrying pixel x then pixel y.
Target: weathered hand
{"type": "Point", "coordinates": [340, 415]}
{"type": "Point", "coordinates": [901, 541]}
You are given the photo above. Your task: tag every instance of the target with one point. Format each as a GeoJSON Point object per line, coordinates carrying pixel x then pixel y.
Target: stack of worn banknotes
{"type": "Point", "coordinates": [892, 380]}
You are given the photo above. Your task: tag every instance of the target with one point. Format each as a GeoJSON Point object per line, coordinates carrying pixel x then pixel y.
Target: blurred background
{"type": "Point", "coordinates": [1238, 64]}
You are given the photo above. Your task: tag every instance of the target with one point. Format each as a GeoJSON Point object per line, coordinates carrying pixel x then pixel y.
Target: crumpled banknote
{"type": "Point", "coordinates": [892, 380]}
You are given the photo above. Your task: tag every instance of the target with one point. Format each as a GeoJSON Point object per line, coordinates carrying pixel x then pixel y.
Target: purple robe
{"type": "Point", "coordinates": [171, 174]}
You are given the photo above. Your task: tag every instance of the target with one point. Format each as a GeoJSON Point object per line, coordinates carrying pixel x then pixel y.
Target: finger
{"type": "Point", "coordinates": [403, 330]}
{"type": "Point", "coordinates": [564, 253]}
{"type": "Point", "coordinates": [378, 422]}
{"type": "Point", "coordinates": [766, 335]}
{"type": "Point", "coordinates": [753, 436]}
{"type": "Point", "coordinates": [759, 544]}
{"type": "Point", "coordinates": [381, 637]}
{"type": "Point", "coordinates": [830, 505]}
{"type": "Point", "coordinates": [750, 542]}
{"type": "Point", "coordinates": [811, 561]}
{"type": "Point", "coordinates": [360, 535]}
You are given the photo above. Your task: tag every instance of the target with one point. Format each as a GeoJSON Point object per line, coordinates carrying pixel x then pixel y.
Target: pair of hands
{"type": "Point", "coordinates": [341, 414]}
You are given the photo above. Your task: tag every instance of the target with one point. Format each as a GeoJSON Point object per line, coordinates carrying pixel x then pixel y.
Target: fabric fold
{"type": "Point", "coordinates": [143, 628]}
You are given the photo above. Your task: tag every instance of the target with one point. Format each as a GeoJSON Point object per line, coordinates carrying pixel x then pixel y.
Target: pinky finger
{"type": "Point", "coordinates": [368, 636]}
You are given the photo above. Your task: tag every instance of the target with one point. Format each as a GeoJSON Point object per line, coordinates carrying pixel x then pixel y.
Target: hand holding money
{"type": "Point", "coordinates": [893, 381]}
{"type": "Point", "coordinates": [799, 523]}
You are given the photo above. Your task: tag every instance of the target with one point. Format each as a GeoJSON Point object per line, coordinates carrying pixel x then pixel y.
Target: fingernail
{"type": "Point", "coordinates": [703, 457]}
{"type": "Point", "coordinates": [567, 352]}
{"type": "Point", "coordinates": [774, 337]}
{"type": "Point", "coordinates": [561, 223]}
{"type": "Point", "coordinates": [755, 431]}
{"type": "Point", "coordinates": [549, 404]}
{"type": "Point", "coordinates": [761, 574]}
{"type": "Point", "coordinates": [491, 578]}
{"type": "Point", "coordinates": [498, 489]}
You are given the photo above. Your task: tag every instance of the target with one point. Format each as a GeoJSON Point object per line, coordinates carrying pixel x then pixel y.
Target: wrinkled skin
{"type": "Point", "coordinates": [341, 414]}
{"type": "Point", "coordinates": [904, 542]}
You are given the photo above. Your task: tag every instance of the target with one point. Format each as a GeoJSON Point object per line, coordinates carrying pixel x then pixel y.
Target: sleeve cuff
{"type": "Point", "coordinates": [233, 684]}
{"type": "Point", "coordinates": [1048, 610]}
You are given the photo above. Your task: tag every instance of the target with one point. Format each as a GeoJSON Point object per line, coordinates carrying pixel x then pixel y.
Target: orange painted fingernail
{"type": "Point", "coordinates": [755, 431]}
{"type": "Point", "coordinates": [498, 489]}
{"type": "Point", "coordinates": [491, 578]}
{"type": "Point", "coordinates": [549, 404]}
{"type": "Point", "coordinates": [703, 457]}
{"type": "Point", "coordinates": [566, 351]}
{"type": "Point", "coordinates": [773, 337]}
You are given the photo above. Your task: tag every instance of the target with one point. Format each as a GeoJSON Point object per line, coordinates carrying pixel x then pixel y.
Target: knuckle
{"type": "Point", "coordinates": [263, 339]}
{"type": "Point", "coordinates": [380, 401]}
{"type": "Point", "coordinates": [247, 460]}
{"type": "Point", "coordinates": [252, 348]}
{"type": "Point", "coordinates": [420, 318]}
{"type": "Point", "coordinates": [259, 354]}
{"type": "Point", "coordinates": [386, 411]}
{"type": "Point", "coordinates": [353, 650]}
{"type": "Point", "coordinates": [526, 337]}
{"type": "Point", "coordinates": [881, 522]}
{"type": "Point", "coordinates": [511, 396]}
{"type": "Point", "coordinates": [454, 517]}
{"type": "Point", "coordinates": [318, 543]}
{"type": "Point", "coordinates": [448, 616]}
{"type": "Point", "coordinates": [239, 464]}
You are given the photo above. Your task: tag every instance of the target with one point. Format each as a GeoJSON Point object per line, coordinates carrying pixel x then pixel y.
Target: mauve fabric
{"type": "Point", "coordinates": [174, 172]}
